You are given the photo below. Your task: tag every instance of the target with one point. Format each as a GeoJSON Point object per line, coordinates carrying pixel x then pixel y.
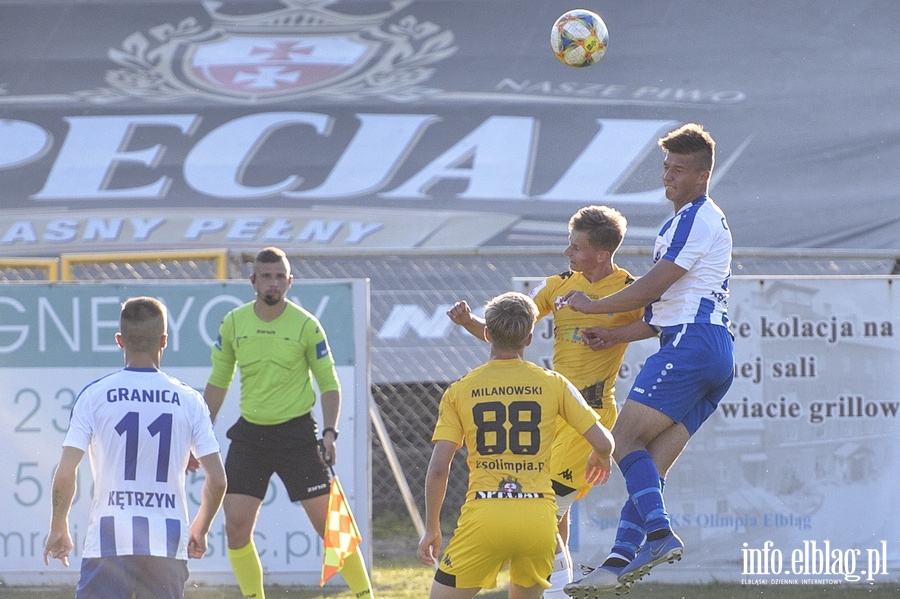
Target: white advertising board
{"type": "Point", "coordinates": [793, 479]}
{"type": "Point", "coordinates": [54, 339]}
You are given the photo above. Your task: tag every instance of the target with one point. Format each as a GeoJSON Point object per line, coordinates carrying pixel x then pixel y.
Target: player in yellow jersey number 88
{"type": "Point", "coordinates": [595, 234]}
{"type": "Point", "coordinates": [505, 412]}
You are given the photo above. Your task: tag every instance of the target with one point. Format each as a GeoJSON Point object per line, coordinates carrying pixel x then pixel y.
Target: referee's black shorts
{"type": "Point", "coordinates": [289, 449]}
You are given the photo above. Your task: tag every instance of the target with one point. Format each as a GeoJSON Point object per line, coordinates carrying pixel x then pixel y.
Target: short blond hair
{"type": "Point", "coordinates": [510, 319]}
{"type": "Point", "coordinates": [605, 226]}
{"type": "Point", "coordinates": [142, 322]}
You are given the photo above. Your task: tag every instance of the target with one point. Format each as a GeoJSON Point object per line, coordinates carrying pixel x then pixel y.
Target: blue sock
{"type": "Point", "coordinates": [643, 483]}
{"type": "Point", "coordinates": [629, 536]}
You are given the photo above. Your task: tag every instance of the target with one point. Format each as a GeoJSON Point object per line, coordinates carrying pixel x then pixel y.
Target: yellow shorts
{"type": "Point", "coordinates": [494, 532]}
{"type": "Point", "coordinates": [570, 452]}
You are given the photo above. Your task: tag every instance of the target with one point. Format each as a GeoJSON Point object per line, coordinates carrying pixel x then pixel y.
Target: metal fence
{"type": "Point", "coordinates": [408, 379]}
{"type": "Point", "coordinates": [408, 384]}
{"type": "Point", "coordinates": [219, 263]}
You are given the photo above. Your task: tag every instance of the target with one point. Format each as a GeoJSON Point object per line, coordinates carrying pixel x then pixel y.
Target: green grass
{"type": "Point", "coordinates": [398, 577]}
{"type": "Point", "coordinates": [396, 574]}
{"type": "Point", "coordinates": [411, 589]}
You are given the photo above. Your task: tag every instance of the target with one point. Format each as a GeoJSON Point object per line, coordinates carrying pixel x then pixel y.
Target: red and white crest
{"type": "Point", "coordinates": [300, 49]}
{"type": "Point", "coordinates": [259, 66]}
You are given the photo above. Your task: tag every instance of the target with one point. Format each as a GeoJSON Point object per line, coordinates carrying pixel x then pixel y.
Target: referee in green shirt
{"type": "Point", "coordinates": [280, 348]}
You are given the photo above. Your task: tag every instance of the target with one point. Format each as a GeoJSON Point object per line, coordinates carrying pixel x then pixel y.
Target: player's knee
{"type": "Point", "coordinates": [238, 531]}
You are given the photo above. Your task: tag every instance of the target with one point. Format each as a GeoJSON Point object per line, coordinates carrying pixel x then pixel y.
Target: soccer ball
{"type": "Point", "coordinates": [579, 38]}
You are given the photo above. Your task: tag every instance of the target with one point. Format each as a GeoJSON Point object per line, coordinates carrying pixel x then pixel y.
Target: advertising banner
{"type": "Point", "coordinates": [184, 124]}
{"type": "Point", "coordinates": [792, 480]}
{"type": "Point", "coordinates": [55, 339]}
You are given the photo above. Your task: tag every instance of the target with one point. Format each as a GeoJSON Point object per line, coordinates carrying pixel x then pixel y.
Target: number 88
{"type": "Point", "coordinates": [524, 437]}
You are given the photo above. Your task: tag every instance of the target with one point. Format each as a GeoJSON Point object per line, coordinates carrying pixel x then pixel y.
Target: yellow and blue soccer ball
{"type": "Point", "coordinates": [579, 38]}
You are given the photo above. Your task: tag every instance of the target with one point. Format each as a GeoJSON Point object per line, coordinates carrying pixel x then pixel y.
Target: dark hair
{"type": "Point", "coordinates": [691, 139]}
{"type": "Point", "coordinates": [269, 255]}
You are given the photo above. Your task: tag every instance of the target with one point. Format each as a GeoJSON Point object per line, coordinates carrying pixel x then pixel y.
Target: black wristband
{"type": "Point", "coordinates": [332, 429]}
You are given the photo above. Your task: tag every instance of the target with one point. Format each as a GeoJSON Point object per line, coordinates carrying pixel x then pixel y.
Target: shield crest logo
{"type": "Point", "coordinates": [260, 66]}
{"type": "Point", "coordinates": [302, 49]}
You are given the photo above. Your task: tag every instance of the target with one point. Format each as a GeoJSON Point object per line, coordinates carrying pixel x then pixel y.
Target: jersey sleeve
{"type": "Point", "coordinates": [222, 354]}
{"type": "Point", "coordinates": [689, 246]}
{"type": "Point", "coordinates": [204, 438]}
{"type": "Point", "coordinates": [449, 425]}
{"type": "Point", "coordinates": [81, 423]}
{"type": "Point", "coordinates": [574, 410]}
{"type": "Point", "coordinates": [320, 359]}
{"type": "Point", "coordinates": [542, 297]}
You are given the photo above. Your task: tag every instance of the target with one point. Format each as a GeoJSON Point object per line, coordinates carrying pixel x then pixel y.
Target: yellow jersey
{"type": "Point", "coordinates": [505, 413]}
{"type": "Point", "coordinates": [571, 356]}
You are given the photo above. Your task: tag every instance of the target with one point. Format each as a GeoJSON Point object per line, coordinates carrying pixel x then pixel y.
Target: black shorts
{"type": "Point", "coordinates": [289, 449]}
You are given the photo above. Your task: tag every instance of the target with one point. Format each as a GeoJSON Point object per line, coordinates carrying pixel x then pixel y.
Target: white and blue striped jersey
{"type": "Point", "coordinates": [698, 240]}
{"type": "Point", "coordinates": [139, 427]}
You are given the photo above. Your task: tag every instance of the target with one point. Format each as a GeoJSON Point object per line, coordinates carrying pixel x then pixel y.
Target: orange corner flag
{"type": "Point", "coordinates": [341, 534]}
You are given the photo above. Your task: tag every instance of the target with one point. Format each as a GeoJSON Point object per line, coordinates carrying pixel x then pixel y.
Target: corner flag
{"type": "Point", "coordinates": [341, 534]}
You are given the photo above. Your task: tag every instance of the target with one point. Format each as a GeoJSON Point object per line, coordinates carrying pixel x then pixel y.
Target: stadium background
{"type": "Point", "coordinates": [412, 363]}
{"type": "Point", "coordinates": [114, 116]}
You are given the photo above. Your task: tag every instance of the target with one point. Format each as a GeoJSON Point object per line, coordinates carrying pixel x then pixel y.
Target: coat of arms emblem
{"type": "Point", "coordinates": [302, 49]}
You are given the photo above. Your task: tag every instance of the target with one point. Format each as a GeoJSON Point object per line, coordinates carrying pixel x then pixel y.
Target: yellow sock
{"type": "Point", "coordinates": [356, 576]}
{"type": "Point", "coordinates": [248, 571]}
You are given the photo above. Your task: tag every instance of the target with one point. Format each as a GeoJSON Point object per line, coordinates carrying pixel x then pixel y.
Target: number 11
{"type": "Point", "coordinates": [130, 427]}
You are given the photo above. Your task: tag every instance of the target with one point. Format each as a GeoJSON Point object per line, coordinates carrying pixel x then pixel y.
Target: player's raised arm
{"type": "Point", "coordinates": [462, 315]}
{"type": "Point", "coordinates": [642, 292]}
{"type": "Point", "coordinates": [599, 338]}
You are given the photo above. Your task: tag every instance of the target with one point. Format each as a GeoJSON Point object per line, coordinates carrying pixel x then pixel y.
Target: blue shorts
{"type": "Point", "coordinates": [145, 576]}
{"type": "Point", "coordinates": [689, 375]}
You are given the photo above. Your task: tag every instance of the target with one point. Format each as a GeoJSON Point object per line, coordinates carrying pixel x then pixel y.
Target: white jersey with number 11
{"type": "Point", "coordinates": [139, 427]}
